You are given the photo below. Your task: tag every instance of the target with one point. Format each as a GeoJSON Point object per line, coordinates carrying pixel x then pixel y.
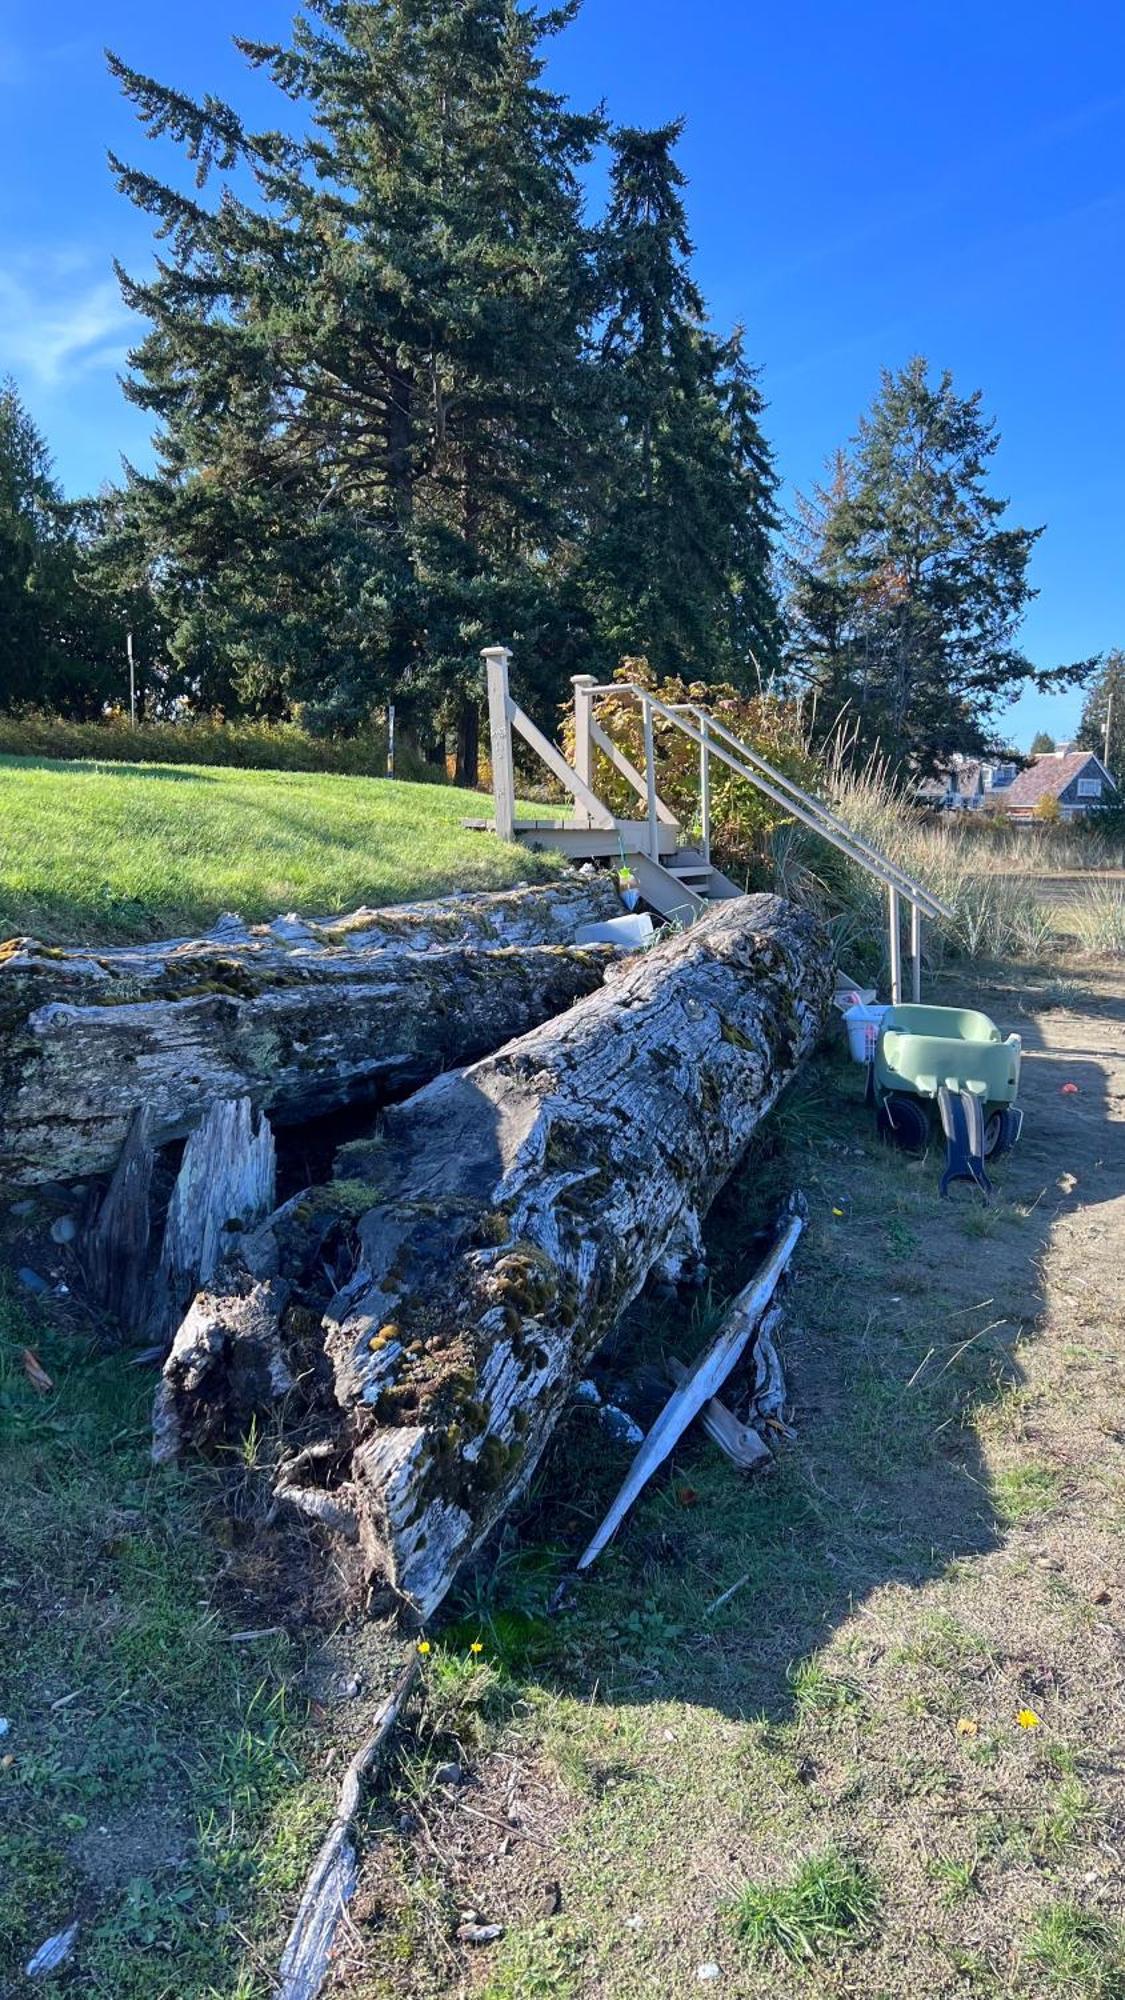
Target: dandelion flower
{"type": "Point", "coordinates": [476, 1647]}
{"type": "Point", "coordinates": [423, 1647]}
{"type": "Point", "coordinates": [1027, 1719]}
{"type": "Point", "coordinates": [966, 1726]}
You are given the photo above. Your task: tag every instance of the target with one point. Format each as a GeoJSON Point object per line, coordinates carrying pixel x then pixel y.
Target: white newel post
{"type": "Point", "coordinates": [583, 717]}
{"type": "Point", "coordinates": [496, 660]}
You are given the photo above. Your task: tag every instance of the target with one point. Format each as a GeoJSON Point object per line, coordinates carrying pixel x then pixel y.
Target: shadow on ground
{"type": "Point", "coordinates": [907, 1316]}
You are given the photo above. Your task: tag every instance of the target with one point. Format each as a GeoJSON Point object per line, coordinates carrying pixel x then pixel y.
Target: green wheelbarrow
{"type": "Point", "coordinates": [956, 1058]}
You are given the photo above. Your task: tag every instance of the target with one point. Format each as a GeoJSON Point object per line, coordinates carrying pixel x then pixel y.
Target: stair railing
{"type": "Point", "coordinates": [714, 739]}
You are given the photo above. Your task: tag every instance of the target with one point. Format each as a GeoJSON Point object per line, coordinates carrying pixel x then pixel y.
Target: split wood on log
{"type": "Point", "coordinates": [114, 1251]}
{"type": "Point", "coordinates": [738, 1442]}
{"type": "Point", "coordinates": [513, 1212]}
{"type": "Point", "coordinates": [302, 1019]}
{"type": "Point", "coordinates": [703, 1380]}
{"type": "Point", "coordinates": [332, 1881]}
{"type": "Point", "coordinates": [227, 1182]}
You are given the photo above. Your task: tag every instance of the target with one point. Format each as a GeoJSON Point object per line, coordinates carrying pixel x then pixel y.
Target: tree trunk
{"type": "Point", "coordinates": [301, 1018]}
{"type": "Point", "coordinates": [468, 746]}
{"type": "Point", "coordinates": [519, 1207]}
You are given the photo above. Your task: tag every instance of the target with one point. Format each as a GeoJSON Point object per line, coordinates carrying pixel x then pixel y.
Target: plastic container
{"type": "Point", "coordinates": [631, 932]}
{"type": "Point", "coordinates": [863, 1024]}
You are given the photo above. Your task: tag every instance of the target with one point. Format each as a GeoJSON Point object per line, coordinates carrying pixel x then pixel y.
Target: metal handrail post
{"type": "Point", "coordinates": [915, 953]}
{"type": "Point", "coordinates": [650, 779]}
{"type": "Point", "coordinates": [895, 937]}
{"type": "Point", "coordinates": [705, 789]}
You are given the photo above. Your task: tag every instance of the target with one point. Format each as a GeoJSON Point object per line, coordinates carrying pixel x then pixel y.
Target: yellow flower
{"type": "Point", "coordinates": [837, 1211]}
{"type": "Point", "coordinates": [423, 1647]}
{"type": "Point", "coordinates": [1027, 1719]}
{"type": "Point", "coordinates": [476, 1647]}
{"type": "Point", "coordinates": [966, 1726]}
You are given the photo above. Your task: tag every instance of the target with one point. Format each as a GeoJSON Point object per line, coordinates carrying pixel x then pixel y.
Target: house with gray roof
{"type": "Point", "coordinates": [1076, 779]}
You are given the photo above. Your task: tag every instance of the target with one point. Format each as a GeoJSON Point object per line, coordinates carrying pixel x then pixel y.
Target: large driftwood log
{"type": "Point", "coordinates": [303, 1022]}
{"type": "Point", "coordinates": [520, 1207]}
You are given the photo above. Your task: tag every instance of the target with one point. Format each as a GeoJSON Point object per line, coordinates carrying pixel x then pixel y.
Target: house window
{"type": "Point", "coordinates": [1089, 788]}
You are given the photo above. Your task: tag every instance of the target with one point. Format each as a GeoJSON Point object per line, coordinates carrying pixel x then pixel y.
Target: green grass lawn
{"type": "Point", "coordinates": [157, 1784]}
{"type": "Point", "coordinates": [104, 852]}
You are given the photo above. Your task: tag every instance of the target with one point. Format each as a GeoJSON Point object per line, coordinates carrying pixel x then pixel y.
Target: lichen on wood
{"type": "Point", "coordinates": [302, 1020]}
{"type": "Point", "coordinates": [521, 1205]}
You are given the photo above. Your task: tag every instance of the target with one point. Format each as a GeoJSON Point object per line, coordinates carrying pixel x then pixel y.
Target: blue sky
{"type": "Point", "coordinates": [866, 182]}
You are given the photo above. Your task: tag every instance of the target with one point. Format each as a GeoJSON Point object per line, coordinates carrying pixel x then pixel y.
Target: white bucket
{"type": "Point", "coordinates": [862, 1024]}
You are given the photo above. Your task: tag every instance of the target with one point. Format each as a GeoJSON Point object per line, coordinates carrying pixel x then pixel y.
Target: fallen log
{"type": "Point", "coordinates": [301, 1024]}
{"type": "Point", "coordinates": [513, 1211]}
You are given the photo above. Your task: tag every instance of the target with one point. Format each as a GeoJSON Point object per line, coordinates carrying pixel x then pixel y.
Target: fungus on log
{"type": "Point", "coordinates": [512, 1212]}
{"type": "Point", "coordinates": [301, 1019]}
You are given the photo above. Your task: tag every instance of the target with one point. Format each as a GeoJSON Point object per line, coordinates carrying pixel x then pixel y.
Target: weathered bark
{"type": "Point", "coordinates": [299, 1019]}
{"type": "Point", "coordinates": [114, 1252]}
{"type": "Point", "coordinates": [521, 1205]}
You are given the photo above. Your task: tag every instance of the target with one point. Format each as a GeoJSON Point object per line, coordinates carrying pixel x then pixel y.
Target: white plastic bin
{"type": "Point", "coordinates": [862, 1024]}
{"type": "Point", "coordinates": [631, 932]}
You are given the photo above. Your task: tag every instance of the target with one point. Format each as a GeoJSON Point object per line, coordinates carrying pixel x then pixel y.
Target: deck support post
{"type": "Point", "coordinates": [496, 660]}
{"type": "Point", "coordinates": [915, 953]}
{"type": "Point", "coordinates": [650, 780]}
{"type": "Point", "coordinates": [895, 941]}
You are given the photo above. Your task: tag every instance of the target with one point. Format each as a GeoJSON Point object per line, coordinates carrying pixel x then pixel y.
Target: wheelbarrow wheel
{"type": "Point", "coordinates": [905, 1122]}
{"type": "Point", "coordinates": [1001, 1131]}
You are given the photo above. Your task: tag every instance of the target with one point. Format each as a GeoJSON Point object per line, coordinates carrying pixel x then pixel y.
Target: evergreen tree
{"type": "Point", "coordinates": [1105, 702]}
{"type": "Point", "coordinates": [366, 362]}
{"type": "Point", "coordinates": [1042, 744]}
{"type": "Point", "coordinates": [908, 585]}
{"type": "Point", "coordinates": [679, 556]}
{"type": "Point", "coordinates": [57, 636]}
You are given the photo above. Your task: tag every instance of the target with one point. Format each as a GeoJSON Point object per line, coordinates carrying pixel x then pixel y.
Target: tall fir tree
{"type": "Point", "coordinates": [908, 587]}
{"type": "Point", "coordinates": [678, 562]}
{"type": "Point", "coordinates": [1102, 727]}
{"type": "Point", "coordinates": [366, 362]}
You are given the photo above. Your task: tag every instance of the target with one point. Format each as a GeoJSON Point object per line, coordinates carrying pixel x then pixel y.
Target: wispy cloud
{"type": "Point", "coordinates": [58, 321]}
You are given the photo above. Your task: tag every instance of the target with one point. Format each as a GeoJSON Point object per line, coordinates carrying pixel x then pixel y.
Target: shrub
{"type": "Point", "coordinates": [742, 818]}
{"type": "Point", "coordinates": [244, 744]}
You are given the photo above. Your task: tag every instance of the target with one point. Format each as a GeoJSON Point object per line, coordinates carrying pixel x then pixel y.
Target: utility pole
{"type": "Point", "coordinates": [1108, 721]}
{"type": "Point", "coordinates": [132, 681]}
{"type": "Point", "coordinates": [390, 739]}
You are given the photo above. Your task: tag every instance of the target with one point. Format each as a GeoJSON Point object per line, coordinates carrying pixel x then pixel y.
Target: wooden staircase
{"type": "Point", "coordinates": [676, 880]}
{"type": "Point", "coordinates": [680, 886]}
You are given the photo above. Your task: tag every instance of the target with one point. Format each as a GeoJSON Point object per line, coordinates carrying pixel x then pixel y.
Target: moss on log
{"type": "Point", "coordinates": [300, 1021]}
{"type": "Point", "coordinates": [512, 1212]}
